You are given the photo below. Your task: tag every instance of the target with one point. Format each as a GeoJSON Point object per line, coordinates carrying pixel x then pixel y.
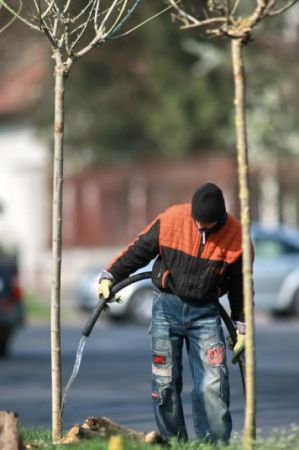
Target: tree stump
{"type": "Point", "coordinates": [105, 428]}
{"type": "Point", "coordinates": [9, 434]}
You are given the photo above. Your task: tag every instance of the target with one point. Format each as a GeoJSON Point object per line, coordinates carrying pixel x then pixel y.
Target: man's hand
{"type": "Point", "coordinates": [104, 288]}
{"type": "Point", "coordinates": [105, 283]}
{"type": "Point", "coordinates": [240, 343]}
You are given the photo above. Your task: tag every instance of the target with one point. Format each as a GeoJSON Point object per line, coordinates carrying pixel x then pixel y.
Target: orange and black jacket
{"type": "Point", "coordinates": [186, 266]}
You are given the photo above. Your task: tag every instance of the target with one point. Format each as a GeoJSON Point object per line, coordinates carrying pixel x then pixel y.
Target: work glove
{"type": "Point", "coordinates": [105, 284]}
{"type": "Point", "coordinates": [240, 343]}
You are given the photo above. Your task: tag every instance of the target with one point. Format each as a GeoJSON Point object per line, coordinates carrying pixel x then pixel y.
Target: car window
{"type": "Point", "coordinates": [270, 248]}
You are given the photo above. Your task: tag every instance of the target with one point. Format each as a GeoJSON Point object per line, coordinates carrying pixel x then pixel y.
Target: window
{"type": "Point", "coordinates": [271, 248]}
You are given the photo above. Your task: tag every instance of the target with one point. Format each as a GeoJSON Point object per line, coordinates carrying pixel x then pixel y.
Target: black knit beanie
{"type": "Point", "coordinates": [208, 204]}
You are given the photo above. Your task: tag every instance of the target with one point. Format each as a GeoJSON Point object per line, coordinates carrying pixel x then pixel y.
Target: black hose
{"type": "Point", "coordinates": [102, 302]}
{"type": "Point", "coordinates": [233, 335]}
{"type": "Point", "coordinates": [143, 276]}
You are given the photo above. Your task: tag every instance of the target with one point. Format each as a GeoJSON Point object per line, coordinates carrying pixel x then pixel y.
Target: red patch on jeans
{"type": "Point", "coordinates": [155, 395]}
{"type": "Point", "coordinates": [216, 355]}
{"type": "Point", "coordinates": [159, 359]}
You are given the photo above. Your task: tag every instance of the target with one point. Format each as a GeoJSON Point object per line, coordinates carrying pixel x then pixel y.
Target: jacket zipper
{"type": "Point", "coordinates": [200, 251]}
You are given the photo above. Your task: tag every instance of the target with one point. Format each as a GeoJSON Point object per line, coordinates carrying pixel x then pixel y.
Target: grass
{"type": "Point", "coordinates": [35, 308]}
{"type": "Point", "coordinates": [39, 309]}
{"type": "Point", "coordinates": [278, 440]}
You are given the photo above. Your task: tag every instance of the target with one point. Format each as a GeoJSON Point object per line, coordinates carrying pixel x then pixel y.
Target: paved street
{"type": "Point", "coordinates": [114, 378]}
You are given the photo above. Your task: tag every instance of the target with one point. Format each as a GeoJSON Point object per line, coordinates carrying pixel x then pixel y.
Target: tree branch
{"type": "Point", "coordinates": [235, 7]}
{"type": "Point", "coordinates": [95, 21]}
{"type": "Point", "coordinates": [283, 9]}
{"type": "Point", "coordinates": [50, 6]}
{"type": "Point", "coordinates": [67, 5]}
{"type": "Point", "coordinates": [144, 22]}
{"type": "Point", "coordinates": [82, 12]}
{"type": "Point", "coordinates": [204, 23]}
{"type": "Point", "coordinates": [12, 19]}
{"type": "Point", "coordinates": [102, 26]}
{"type": "Point", "coordinates": [18, 16]}
{"type": "Point", "coordinates": [85, 25]}
{"type": "Point", "coordinates": [183, 16]}
{"type": "Point", "coordinates": [116, 27]}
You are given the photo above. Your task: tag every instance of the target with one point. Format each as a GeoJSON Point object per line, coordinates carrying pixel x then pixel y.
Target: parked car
{"type": "Point", "coordinates": [276, 269]}
{"type": "Point", "coordinates": [11, 305]}
{"type": "Point", "coordinates": [276, 279]}
{"type": "Point", "coordinates": [136, 299]}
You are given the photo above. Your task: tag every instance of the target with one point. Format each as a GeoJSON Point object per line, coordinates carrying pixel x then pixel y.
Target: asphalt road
{"type": "Point", "coordinates": [115, 376]}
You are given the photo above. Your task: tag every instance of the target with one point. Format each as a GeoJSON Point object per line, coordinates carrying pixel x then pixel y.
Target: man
{"type": "Point", "coordinates": [199, 257]}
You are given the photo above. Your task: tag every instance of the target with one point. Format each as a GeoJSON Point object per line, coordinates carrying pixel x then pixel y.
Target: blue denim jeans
{"type": "Point", "coordinates": [173, 322]}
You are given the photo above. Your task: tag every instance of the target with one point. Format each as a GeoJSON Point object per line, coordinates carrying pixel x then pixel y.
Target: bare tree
{"type": "Point", "coordinates": [236, 19]}
{"type": "Point", "coordinates": [6, 19]}
{"type": "Point", "coordinates": [73, 29]}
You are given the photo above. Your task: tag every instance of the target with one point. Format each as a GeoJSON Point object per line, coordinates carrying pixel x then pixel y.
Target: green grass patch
{"type": "Point", "coordinates": [36, 308]}
{"type": "Point", "coordinates": [278, 440]}
{"type": "Point", "coordinates": [40, 309]}
{"type": "Point", "coordinates": [41, 438]}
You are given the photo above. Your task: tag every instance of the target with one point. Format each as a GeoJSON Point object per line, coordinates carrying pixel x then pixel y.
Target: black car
{"type": "Point", "coordinates": [11, 301]}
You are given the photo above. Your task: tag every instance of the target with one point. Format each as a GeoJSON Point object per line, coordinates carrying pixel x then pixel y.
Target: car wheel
{"type": "Point", "coordinates": [4, 348]}
{"type": "Point", "coordinates": [295, 303]}
{"type": "Point", "coordinates": [140, 306]}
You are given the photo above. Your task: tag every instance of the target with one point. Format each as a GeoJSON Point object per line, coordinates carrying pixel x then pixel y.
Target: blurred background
{"type": "Point", "coordinates": [149, 117]}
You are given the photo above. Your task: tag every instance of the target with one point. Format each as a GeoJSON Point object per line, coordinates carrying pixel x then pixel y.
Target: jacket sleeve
{"type": "Point", "coordinates": [235, 291]}
{"type": "Point", "coordinates": [139, 253]}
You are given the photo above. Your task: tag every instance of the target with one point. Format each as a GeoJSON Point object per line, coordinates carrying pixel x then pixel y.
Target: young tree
{"type": "Point", "coordinates": [6, 19]}
{"type": "Point", "coordinates": [236, 19]}
{"type": "Point", "coordinates": [73, 30]}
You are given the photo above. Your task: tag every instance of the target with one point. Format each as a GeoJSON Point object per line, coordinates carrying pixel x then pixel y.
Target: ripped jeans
{"type": "Point", "coordinates": [174, 322]}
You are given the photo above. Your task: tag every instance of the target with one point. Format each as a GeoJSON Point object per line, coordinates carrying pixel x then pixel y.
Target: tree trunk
{"type": "Point", "coordinates": [57, 245]}
{"type": "Point", "coordinates": [9, 433]}
{"type": "Point", "coordinates": [242, 150]}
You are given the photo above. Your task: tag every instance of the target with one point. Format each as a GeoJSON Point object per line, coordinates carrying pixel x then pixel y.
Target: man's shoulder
{"type": "Point", "coordinates": [179, 210]}
{"type": "Point", "coordinates": [231, 235]}
{"type": "Point", "coordinates": [233, 221]}
{"type": "Point", "coordinates": [174, 220]}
